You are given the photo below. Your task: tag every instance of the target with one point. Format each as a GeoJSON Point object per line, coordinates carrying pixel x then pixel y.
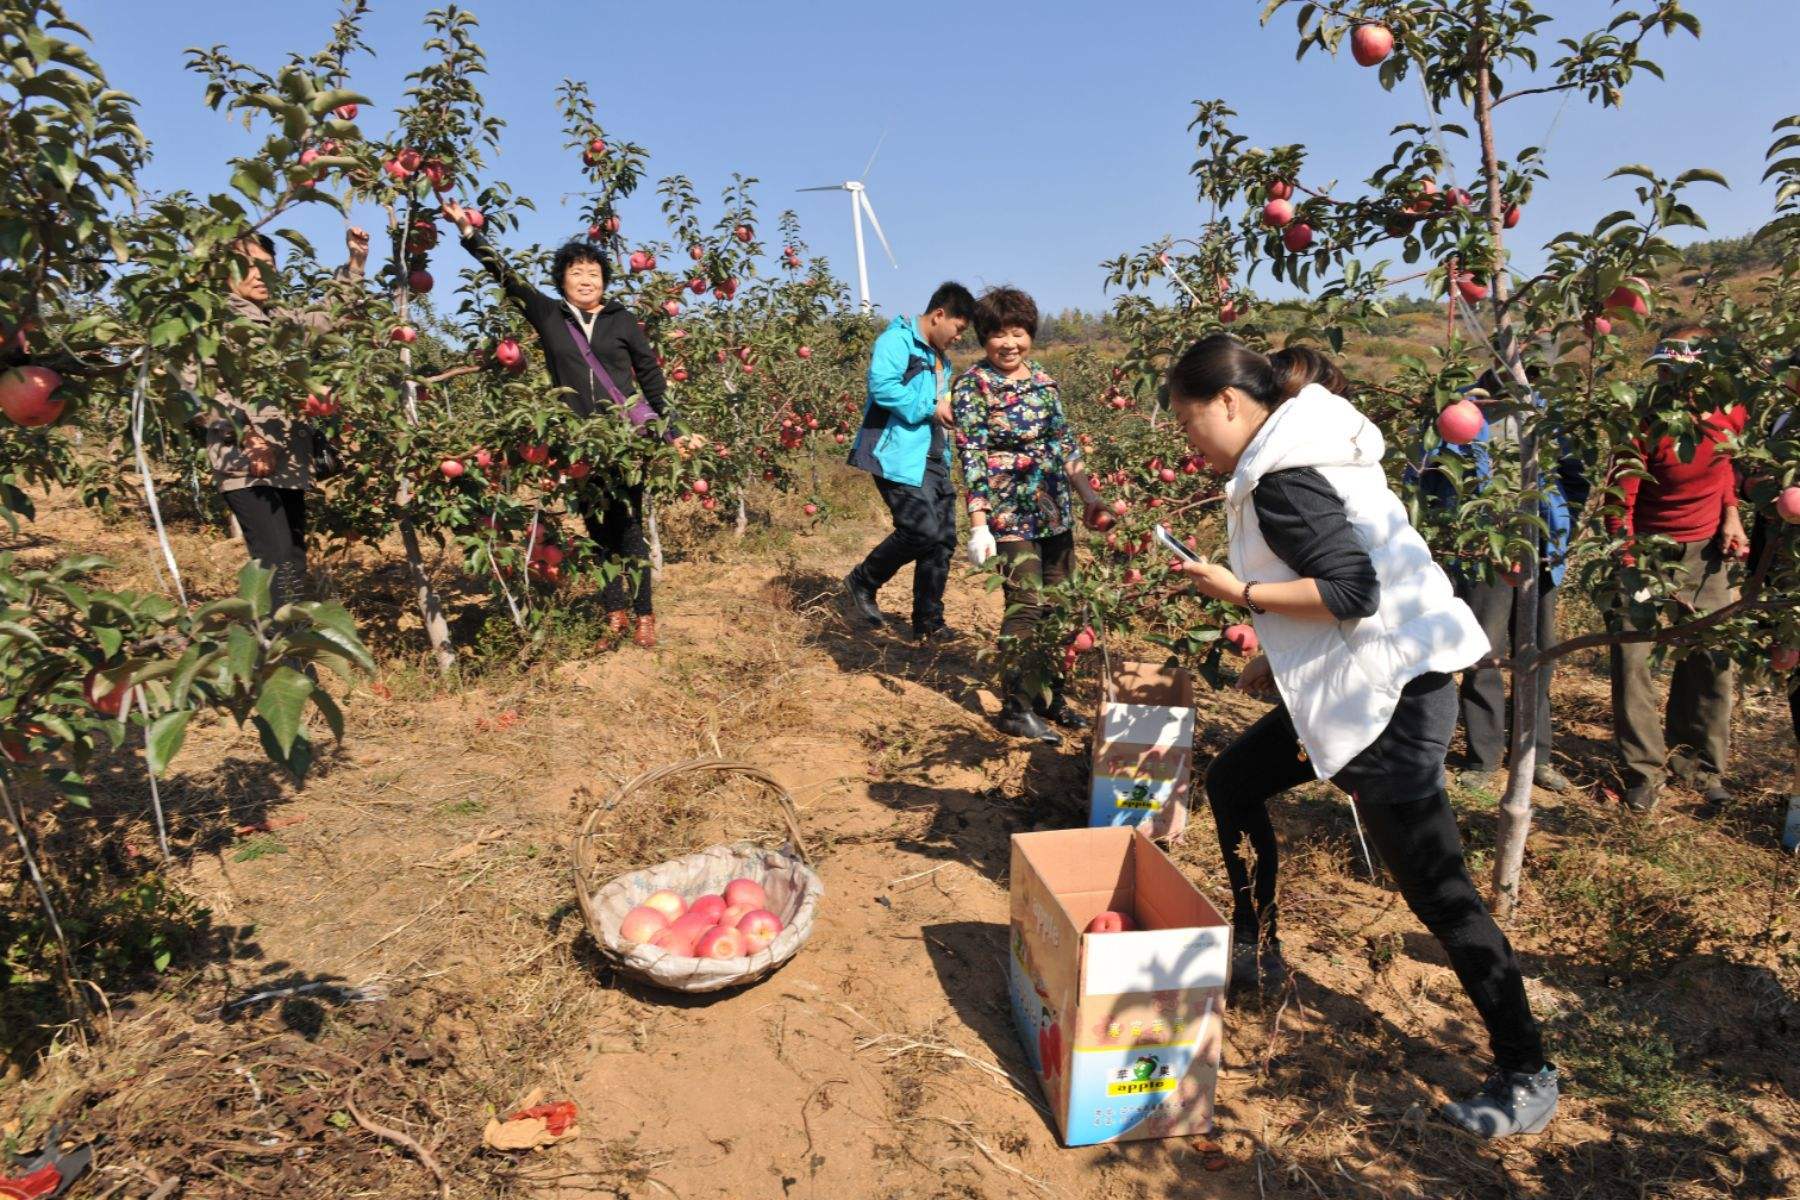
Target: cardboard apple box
{"type": "Point", "coordinates": [1123, 1029]}
{"type": "Point", "coordinates": [1143, 749]}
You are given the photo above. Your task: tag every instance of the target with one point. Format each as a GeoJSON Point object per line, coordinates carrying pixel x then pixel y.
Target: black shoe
{"type": "Point", "coordinates": [1058, 712]}
{"type": "Point", "coordinates": [1257, 968]}
{"type": "Point", "coordinates": [1641, 798]}
{"type": "Point", "coordinates": [1715, 799]}
{"type": "Point", "coordinates": [1022, 722]}
{"type": "Point", "coordinates": [935, 633]}
{"type": "Point", "coordinates": [859, 601]}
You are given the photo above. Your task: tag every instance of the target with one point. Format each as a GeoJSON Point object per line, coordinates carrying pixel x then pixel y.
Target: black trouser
{"type": "Point", "coordinates": [1397, 785]}
{"type": "Point", "coordinates": [1484, 702]}
{"type": "Point", "coordinates": [274, 523]}
{"type": "Point", "coordinates": [1029, 567]}
{"type": "Point", "coordinates": [924, 534]}
{"type": "Point", "coordinates": [618, 531]}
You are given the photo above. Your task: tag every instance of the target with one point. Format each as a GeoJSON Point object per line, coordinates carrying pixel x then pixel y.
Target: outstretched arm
{"type": "Point", "coordinates": [477, 245]}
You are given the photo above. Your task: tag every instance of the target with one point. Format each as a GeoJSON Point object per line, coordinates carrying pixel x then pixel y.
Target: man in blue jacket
{"type": "Point", "coordinates": [904, 443]}
{"type": "Point", "coordinates": [1495, 602]}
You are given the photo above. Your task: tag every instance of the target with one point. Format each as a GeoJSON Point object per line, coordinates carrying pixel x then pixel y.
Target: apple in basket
{"type": "Point", "coordinates": [642, 923]}
{"type": "Point", "coordinates": [668, 903]}
{"type": "Point", "coordinates": [720, 942]}
{"type": "Point", "coordinates": [747, 892]}
{"type": "Point", "coordinates": [709, 907]}
{"type": "Point", "coordinates": [759, 929]}
{"type": "Point", "coordinates": [734, 914]}
{"type": "Point", "coordinates": [681, 936]}
{"type": "Point", "coordinates": [1111, 922]}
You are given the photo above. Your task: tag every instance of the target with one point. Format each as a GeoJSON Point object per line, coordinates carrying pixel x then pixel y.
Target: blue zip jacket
{"type": "Point", "coordinates": [896, 437]}
{"type": "Point", "coordinates": [1565, 494]}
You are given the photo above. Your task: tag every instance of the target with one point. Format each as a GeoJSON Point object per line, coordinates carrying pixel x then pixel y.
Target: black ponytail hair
{"type": "Point", "coordinates": [1297, 367]}
{"type": "Point", "coordinates": [1220, 361]}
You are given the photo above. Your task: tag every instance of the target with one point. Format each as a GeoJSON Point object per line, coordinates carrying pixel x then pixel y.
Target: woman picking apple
{"type": "Point", "coordinates": [1020, 461]}
{"type": "Point", "coordinates": [593, 347]}
{"type": "Point", "coordinates": [260, 452]}
{"type": "Point", "coordinates": [1360, 631]}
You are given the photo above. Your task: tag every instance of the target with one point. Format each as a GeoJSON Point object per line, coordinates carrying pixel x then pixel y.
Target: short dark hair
{"type": "Point", "coordinates": [1214, 363]}
{"type": "Point", "coordinates": [1297, 366]}
{"type": "Point", "coordinates": [955, 299]}
{"type": "Point", "coordinates": [260, 238]}
{"type": "Point", "coordinates": [579, 252]}
{"type": "Point", "coordinates": [1005, 308]}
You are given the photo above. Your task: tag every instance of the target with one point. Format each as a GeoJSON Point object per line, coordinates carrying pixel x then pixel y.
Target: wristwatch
{"type": "Point", "coordinates": [1250, 604]}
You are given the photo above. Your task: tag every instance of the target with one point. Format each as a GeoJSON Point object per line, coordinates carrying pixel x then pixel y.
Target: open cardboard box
{"type": "Point", "coordinates": [1143, 749]}
{"type": "Point", "coordinates": [1123, 1029]}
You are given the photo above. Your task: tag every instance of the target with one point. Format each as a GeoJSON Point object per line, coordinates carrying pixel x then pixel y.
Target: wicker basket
{"type": "Point", "coordinates": [794, 890]}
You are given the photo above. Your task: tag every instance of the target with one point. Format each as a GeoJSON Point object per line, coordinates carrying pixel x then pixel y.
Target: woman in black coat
{"type": "Point", "coordinates": [594, 347]}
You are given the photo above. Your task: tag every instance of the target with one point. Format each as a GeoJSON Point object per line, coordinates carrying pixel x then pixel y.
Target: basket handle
{"type": "Point", "coordinates": [785, 803]}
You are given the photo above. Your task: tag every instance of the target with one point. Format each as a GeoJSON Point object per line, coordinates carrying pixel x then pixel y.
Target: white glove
{"type": "Point", "coordinates": [981, 545]}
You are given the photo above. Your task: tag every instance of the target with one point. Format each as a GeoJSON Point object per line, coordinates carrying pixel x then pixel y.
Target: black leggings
{"type": "Point", "coordinates": [1399, 794]}
{"type": "Point", "coordinates": [274, 524]}
{"type": "Point", "coordinates": [618, 531]}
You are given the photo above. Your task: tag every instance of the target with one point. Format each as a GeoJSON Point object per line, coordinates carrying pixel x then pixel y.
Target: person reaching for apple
{"type": "Point", "coordinates": [593, 347]}
{"type": "Point", "coordinates": [260, 448]}
{"type": "Point", "coordinates": [1020, 462]}
{"type": "Point", "coordinates": [1360, 631]}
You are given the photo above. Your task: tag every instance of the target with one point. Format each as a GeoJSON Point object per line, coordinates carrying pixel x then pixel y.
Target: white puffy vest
{"type": "Point", "coordinates": [1341, 680]}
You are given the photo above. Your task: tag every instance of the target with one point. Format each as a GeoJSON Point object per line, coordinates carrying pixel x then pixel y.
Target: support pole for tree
{"type": "Point", "coordinates": [1515, 806]}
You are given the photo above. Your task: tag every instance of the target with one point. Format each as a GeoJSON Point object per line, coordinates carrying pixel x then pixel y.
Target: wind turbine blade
{"type": "Point", "coordinates": [871, 163]}
{"type": "Point", "coordinates": [829, 187]}
{"type": "Point", "coordinates": [870, 209]}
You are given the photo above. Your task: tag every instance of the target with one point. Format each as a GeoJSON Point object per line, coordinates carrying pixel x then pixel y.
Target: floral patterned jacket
{"type": "Point", "coordinates": [1015, 446]}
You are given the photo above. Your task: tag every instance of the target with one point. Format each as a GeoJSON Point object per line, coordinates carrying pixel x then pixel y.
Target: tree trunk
{"type": "Point", "coordinates": [1515, 807]}
{"type": "Point", "coordinates": [431, 611]}
{"type": "Point", "coordinates": [742, 524]}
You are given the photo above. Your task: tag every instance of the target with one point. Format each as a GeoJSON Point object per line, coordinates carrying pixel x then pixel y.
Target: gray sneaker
{"type": "Point", "coordinates": [1510, 1102]}
{"type": "Point", "coordinates": [1551, 779]}
{"type": "Point", "coordinates": [1476, 780]}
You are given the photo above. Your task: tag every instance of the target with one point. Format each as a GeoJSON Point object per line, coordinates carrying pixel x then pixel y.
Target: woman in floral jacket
{"type": "Point", "coordinates": [1020, 465]}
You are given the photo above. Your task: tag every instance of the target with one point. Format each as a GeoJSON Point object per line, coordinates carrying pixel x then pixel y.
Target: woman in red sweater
{"type": "Point", "coordinates": [1693, 502]}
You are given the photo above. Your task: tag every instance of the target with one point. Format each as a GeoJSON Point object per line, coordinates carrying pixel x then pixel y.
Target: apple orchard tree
{"type": "Point", "coordinates": [1566, 342]}
{"type": "Point", "coordinates": [96, 304]}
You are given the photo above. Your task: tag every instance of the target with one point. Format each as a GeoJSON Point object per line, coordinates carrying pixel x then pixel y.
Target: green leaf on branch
{"type": "Point", "coordinates": [281, 704]}
{"type": "Point", "coordinates": [163, 742]}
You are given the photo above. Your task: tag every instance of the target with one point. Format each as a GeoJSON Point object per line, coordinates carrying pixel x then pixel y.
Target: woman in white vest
{"type": "Point", "coordinates": [1360, 633]}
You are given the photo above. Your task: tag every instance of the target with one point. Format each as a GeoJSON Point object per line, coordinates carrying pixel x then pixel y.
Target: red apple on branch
{"type": "Point", "coordinates": [1242, 638]}
{"type": "Point", "coordinates": [1461, 423]}
{"type": "Point", "coordinates": [406, 335]}
{"type": "Point", "coordinates": [1787, 505]}
{"type": "Point", "coordinates": [1370, 44]}
{"type": "Point", "coordinates": [1297, 237]}
{"type": "Point", "coordinates": [1280, 189]}
{"type": "Point", "coordinates": [1277, 213]}
{"type": "Point", "coordinates": [419, 281]}
{"type": "Point", "coordinates": [451, 468]}
{"type": "Point", "coordinates": [28, 395]}
{"type": "Point", "coordinates": [345, 112]}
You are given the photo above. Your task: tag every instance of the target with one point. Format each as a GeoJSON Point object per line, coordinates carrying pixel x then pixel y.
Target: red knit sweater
{"type": "Point", "coordinates": [1683, 500]}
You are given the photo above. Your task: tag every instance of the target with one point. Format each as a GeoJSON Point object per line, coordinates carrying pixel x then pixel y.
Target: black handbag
{"type": "Point", "coordinates": [327, 459]}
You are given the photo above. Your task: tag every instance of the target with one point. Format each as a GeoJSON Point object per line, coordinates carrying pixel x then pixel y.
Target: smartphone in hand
{"type": "Point", "coordinates": [1173, 544]}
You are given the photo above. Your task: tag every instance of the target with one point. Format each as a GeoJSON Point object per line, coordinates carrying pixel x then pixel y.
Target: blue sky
{"type": "Point", "coordinates": [1025, 143]}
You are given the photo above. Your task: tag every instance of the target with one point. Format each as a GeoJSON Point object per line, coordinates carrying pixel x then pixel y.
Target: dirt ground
{"type": "Point", "coordinates": [427, 862]}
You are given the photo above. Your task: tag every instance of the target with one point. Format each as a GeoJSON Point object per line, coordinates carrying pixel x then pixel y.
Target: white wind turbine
{"type": "Point", "coordinates": [859, 204]}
